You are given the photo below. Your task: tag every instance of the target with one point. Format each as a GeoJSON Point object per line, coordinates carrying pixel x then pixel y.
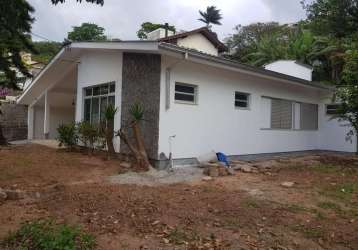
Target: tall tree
{"type": "Point", "coordinates": [45, 51]}
{"type": "Point", "coordinates": [15, 24]}
{"type": "Point", "coordinates": [335, 22]}
{"type": "Point", "coordinates": [246, 38]}
{"type": "Point", "coordinates": [338, 18]}
{"type": "Point", "coordinates": [211, 15]}
{"type": "Point", "coordinates": [87, 32]}
{"type": "Point", "coordinates": [347, 95]}
{"type": "Point", "coordinates": [148, 27]}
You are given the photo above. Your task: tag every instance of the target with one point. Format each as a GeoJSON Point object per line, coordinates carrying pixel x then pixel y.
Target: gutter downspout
{"type": "Point", "coordinates": [168, 71]}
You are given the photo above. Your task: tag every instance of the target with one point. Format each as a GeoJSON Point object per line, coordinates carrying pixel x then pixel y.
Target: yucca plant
{"type": "Point", "coordinates": [138, 150]}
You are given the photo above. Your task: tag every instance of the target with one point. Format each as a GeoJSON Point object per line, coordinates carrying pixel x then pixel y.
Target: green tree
{"type": "Point", "coordinates": [15, 25]}
{"type": "Point", "coordinates": [246, 38]}
{"type": "Point", "coordinates": [347, 95]}
{"type": "Point", "coordinates": [211, 15]}
{"type": "Point", "coordinates": [337, 18]}
{"type": "Point", "coordinates": [45, 51]}
{"type": "Point", "coordinates": [265, 43]}
{"type": "Point", "coordinates": [148, 27]}
{"type": "Point", "coordinates": [87, 32]}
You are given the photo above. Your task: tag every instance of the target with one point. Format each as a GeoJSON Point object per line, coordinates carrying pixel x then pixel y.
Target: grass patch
{"type": "Point", "coordinates": [343, 192]}
{"type": "Point", "coordinates": [47, 235]}
{"type": "Point", "coordinates": [309, 232]}
{"type": "Point", "coordinates": [329, 205]}
{"type": "Point", "coordinates": [178, 236]}
{"type": "Point", "coordinates": [326, 168]}
{"type": "Point", "coordinates": [349, 213]}
{"type": "Point", "coordinates": [294, 208]}
{"type": "Point", "coordinates": [232, 224]}
{"type": "Point", "coordinates": [251, 204]}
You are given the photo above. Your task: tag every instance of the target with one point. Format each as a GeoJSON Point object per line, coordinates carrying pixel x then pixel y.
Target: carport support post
{"type": "Point", "coordinates": [47, 116]}
{"type": "Point", "coordinates": [30, 122]}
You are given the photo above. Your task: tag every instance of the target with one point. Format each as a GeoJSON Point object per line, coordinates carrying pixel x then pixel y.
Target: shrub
{"type": "Point", "coordinates": [47, 235]}
{"type": "Point", "coordinates": [88, 134]}
{"type": "Point", "coordinates": [67, 135]}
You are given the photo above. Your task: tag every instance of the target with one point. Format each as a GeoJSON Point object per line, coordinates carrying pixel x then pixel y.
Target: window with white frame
{"type": "Point", "coordinates": [96, 100]}
{"type": "Point", "coordinates": [242, 100]}
{"type": "Point", "coordinates": [186, 93]}
{"type": "Point", "coordinates": [285, 114]}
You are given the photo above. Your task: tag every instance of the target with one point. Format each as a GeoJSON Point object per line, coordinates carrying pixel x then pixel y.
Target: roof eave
{"type": "Point", "coordinates": [245, 68]}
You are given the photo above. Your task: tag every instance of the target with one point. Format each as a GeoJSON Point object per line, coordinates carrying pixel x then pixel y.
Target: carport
{"type": "Point", "coordinates": [51, 96]}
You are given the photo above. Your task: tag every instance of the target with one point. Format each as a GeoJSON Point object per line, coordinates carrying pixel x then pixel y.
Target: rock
{"type": "Point", "coordinates": [207, 178]}
{"type": "Point", "coordinates": [213, 172]}
{"type": "Point", "coordinates": [236, 167]}
{"type": "Point", "coordinates": [247, 169]}
{"type": "Point", "coordinates": [3, 195]}
{"type": "Point", "coordinates": [15, 194]}
{"type": "Point", "coordinates": [222, 171]}
{"type": "Point", "coordinates": [230, 171]}
{"type": "Point", "coordinates": [287, 184]}
{"type": "Point", "coordinates": [125, 165]}
{"type": "Point", "coordinates": [266, 164]}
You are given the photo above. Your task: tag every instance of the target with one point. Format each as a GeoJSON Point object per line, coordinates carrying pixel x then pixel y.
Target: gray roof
{"type": "Point", "coordinates": [245, 67]}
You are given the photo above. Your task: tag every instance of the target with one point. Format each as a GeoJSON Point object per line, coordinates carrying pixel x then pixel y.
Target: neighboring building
{"type": "Point", "coordinates": [202, 40]}
{"type": "Point", "coordinates": [34, 68]}
{"type": "Point", "coordinates": [207, 102]}
{"type": "Point", "coordinates": [13, 117]}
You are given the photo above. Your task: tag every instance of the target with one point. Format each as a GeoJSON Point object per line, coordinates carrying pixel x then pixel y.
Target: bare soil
{"type": "Point", "coordinates": [245, 211]}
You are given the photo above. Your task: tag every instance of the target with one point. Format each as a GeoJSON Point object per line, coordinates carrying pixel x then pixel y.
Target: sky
{"type": "Point", "coordinates": [122, 18]}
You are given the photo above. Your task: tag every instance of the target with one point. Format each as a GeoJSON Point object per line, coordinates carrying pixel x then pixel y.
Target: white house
{"type": "Point", "coordinates": [206, 101]}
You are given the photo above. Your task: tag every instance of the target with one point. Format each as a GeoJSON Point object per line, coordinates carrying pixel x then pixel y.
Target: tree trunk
{"type": "Point", "coordinates": [140, 157]}
{"type": "Point", "coordinates": [3, 141]}
{"type": "Point", "coordinates": [109, 139]}
{"type": "Point", "coordinates": [139, 139]}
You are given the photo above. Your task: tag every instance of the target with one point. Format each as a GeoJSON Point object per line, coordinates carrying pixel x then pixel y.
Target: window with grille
{"type": "Point", "coordinates": [242, 100]}
{"type": "Point", "coordinates": [332, 109]}
{"type": "Point", "coordinates": [285, 114]}
{"type": "Point", "coordinates": [281, 114]}
{"type": "Point", "coordinates": [309, 116]}
{"type": "Point", "coordinates": [96, 100]}
{"type": "Point", "coordinates": [185, 93]}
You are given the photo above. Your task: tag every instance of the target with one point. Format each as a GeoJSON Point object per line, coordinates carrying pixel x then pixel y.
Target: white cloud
{"type": "Point", "coordinates": [122, 18]}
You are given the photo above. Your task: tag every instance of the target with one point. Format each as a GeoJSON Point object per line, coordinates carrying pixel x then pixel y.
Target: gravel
{"type": "Point", "coordinates": [161, 177]}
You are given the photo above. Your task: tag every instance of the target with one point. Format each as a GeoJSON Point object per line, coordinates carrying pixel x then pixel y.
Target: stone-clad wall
{"type": "Point", "coordinates": [13, 121]}
{"type": "Point", "coordinates": [141, 84]}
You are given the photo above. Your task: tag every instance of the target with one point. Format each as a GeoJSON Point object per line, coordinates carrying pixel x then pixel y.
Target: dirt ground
{"type": "Point", "coordinates": [245, 211]}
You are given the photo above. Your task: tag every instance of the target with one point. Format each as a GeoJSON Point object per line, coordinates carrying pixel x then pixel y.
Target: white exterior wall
{"type": "Point", "coordinates": [58, 117]}
{"type": "Point", "coordinates": [97, 68]}
{"type": "Point", "coordinates": [333, 133]}
{"type": "Point", "coordinates": [38, 128]}
{"type": "Point", "coordinates": [289, 67]}
{"type": "Point", "coordinates": [215, 124]}
{"type": "Point", "coordinates": [198, 42]}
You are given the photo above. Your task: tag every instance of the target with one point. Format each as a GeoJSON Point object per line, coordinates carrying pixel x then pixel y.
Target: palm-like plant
{"type": "Point", "coordinates": [269, 49]}
{"type": "Point", "coordinates": [211, 15]}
